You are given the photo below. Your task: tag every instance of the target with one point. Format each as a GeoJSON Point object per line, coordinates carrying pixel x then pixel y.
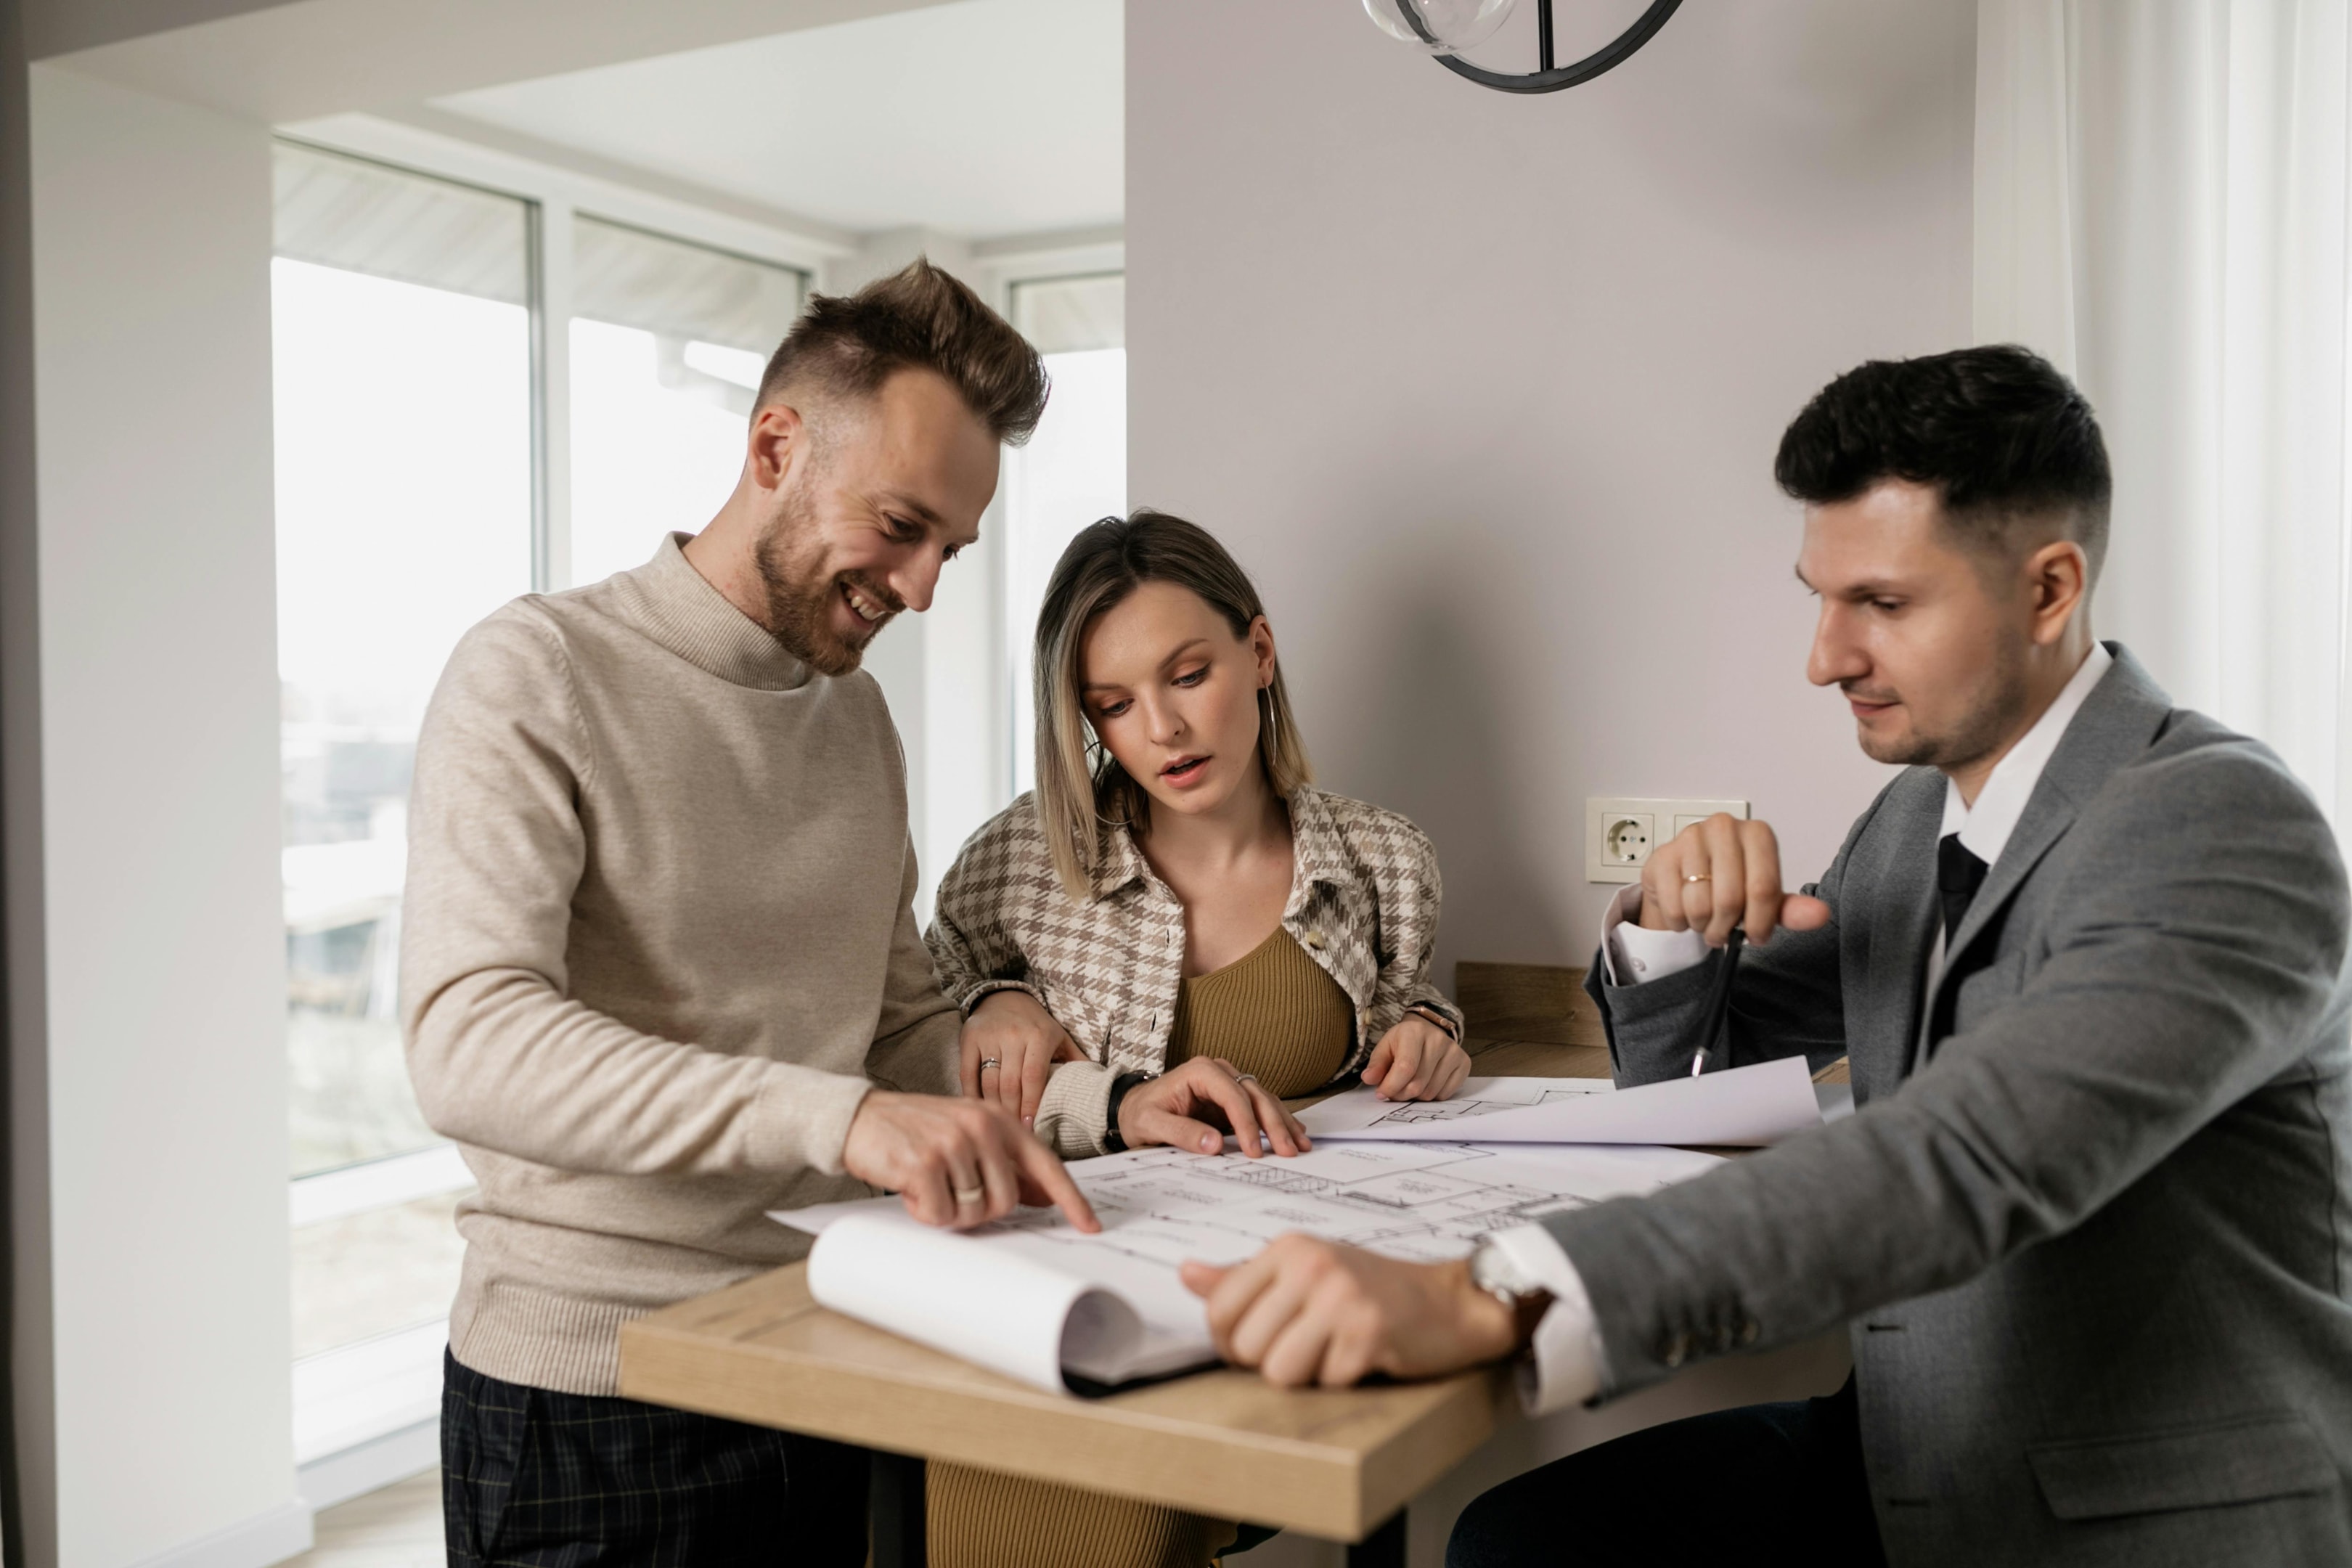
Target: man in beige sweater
{"type": "Point", "coordinates": [660, 972]}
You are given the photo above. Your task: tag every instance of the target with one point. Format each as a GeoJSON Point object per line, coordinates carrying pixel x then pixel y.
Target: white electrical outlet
{"type": "Point", "coordinates": [1619, 834]}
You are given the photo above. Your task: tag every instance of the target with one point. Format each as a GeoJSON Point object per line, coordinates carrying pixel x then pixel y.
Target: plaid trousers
{"type": "Point", "coordinates": [531, 1479]}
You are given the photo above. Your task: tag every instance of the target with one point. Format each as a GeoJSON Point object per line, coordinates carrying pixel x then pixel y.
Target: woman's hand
{"type": "Point", "coordinates": [1195, 1105]}
{"type": "Point", "coordinates": [1009, 1044]}
{"type": "Point", "coordinates": [1417, 1060]}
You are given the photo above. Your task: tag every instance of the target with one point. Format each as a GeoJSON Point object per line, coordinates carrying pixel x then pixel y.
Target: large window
{"type": "Point", "coordinates": [409, 320]}
{"type": "Point", "coordinates": [667, 341]}
{"type": "Point", "coordinates": [1072, 470]}
{"type": "Point", "coordinates": [402, 345]}
{"type": "Point", "coordinates": [481, 394]}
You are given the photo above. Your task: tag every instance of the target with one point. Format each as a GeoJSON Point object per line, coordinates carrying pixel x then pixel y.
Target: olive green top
{"type": "Point", "coordinates": [1274, 1013]}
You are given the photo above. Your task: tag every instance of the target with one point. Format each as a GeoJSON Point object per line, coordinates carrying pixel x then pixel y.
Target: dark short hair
{"type": "Point", "coordinates": [919, 318]}
{"type": "Point", "coordinates": [2004, 438]}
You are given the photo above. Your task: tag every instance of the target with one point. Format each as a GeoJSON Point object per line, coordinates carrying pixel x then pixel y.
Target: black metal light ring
{"type": "Point", "coordinates": [1616, 52]}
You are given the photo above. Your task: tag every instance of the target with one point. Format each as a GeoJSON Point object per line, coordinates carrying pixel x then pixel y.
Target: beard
{"type": "Point", "coordinates": [801, 593]}
{"type": "Point", "coordinates": [1975, 735]}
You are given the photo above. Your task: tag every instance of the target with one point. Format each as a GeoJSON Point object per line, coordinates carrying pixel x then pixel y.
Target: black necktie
{"type": "Point", "coordinates": [1958, 875]}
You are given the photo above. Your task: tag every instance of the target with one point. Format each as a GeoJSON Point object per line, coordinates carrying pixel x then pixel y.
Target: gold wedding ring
{"type": "Point", "coordinates": [1697, 877]}
{"type": "Point", "coordinates": [966, 1196]}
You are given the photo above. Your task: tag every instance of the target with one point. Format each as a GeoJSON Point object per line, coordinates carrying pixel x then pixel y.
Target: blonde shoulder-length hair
{"type": "Point", "coordinates": [1082, 791]}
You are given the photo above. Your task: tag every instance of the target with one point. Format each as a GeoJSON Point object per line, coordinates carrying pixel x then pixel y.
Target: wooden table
{"type": "Point", "coordinates": [1339, 1464]}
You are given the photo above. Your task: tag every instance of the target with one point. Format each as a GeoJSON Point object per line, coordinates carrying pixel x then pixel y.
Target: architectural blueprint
{"type": "Point", "coordinates": [1750, 1105]}
{"type": "Point", "coordinates": [1016, 1294]}
{"type": "Point", "coordinates": [1361, 1108]}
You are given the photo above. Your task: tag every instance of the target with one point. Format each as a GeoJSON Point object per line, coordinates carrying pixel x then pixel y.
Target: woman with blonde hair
{"type": "Point", "coordinates": [1172, 934]}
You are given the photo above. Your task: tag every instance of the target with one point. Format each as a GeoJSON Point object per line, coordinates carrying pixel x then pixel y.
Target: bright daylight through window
{"type": "Point", "coordinates": [1073, 471]}
{"type": "Point", "coordinates": [404, 365]}
{"type": "Point", "coordinates": [667, 341]}
{"type": "Point", "coordinates": [402, 375]}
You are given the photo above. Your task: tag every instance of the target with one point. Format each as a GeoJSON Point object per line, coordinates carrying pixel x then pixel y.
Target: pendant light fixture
{"type": "Point", "coordinates": [1446, 27]}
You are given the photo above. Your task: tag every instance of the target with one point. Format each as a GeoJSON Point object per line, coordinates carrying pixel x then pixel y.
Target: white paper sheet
{"type": "Point", "coordinates": [1006, 1309]}
{"type": "Point", "coordinates": [1029, 1296]}
{"type": "Point", "coordinates": [1359, 1108]}
{"type": "Point", "coordinates": [1744, 1108]}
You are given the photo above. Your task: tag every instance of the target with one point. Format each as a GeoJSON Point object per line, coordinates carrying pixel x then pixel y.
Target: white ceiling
{"type": "Point", "coordinates": [981, 118]}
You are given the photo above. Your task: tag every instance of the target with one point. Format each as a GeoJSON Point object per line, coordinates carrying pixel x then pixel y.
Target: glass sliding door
{"type": "Point", "coordinates": [667, 341]}
{"type": "Point", "coordinates": [403, 361]}
{"type": "Point", "coordinates": [1073, 471]}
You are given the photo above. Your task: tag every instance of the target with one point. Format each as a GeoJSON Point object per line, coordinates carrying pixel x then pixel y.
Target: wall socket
{"type": "Point", "coordinates": [1620, 833]}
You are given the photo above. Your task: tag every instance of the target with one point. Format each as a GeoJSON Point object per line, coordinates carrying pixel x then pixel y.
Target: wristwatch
{"type": "Point", "coordinates": [1493, 1270]}
{"type": "Point", "coordinates": [1113, 1143]}
{"type": "Point", "coordinates": [1436, 1020]}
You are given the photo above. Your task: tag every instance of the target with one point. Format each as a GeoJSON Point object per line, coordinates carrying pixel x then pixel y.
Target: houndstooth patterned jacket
{"type": "Point", "coordinates": [1363, 903]}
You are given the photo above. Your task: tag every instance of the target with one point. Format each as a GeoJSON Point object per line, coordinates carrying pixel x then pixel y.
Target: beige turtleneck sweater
{"type": "Point", "coordinates": [657, 945]}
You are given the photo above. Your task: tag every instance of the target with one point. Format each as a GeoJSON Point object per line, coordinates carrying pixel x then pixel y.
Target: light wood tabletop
{"type": "Point", "coordinates": [1333, 1463]}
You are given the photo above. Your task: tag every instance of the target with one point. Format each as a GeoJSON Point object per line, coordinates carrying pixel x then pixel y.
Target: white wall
{"type": "Point", "coordinates": [1485, 391]}
{"type": "Point", "coordinates": [166, 1201]}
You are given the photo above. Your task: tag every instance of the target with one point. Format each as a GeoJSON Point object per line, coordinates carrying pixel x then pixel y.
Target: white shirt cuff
{"type": "Point", "coordinates": [1635, 951]}
{"type": "Point", "coordinates": [1564, 1366]}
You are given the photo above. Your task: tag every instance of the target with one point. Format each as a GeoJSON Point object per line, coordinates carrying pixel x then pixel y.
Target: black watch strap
{"type": "Point", "coordinates": [1436, 1020]}
{"type": "Point", "coordinates": [1112, 1143]}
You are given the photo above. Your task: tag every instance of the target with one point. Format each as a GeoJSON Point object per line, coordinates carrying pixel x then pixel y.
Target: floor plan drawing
{"type": "Point", "coordinates": [1423, 1201]}
{"type": "Point", "coordinates": [1361, 1108]}
{"type": "Point", "coordinates": [1747, 1107]}
{"type": "Point", "coordinates": [1015, 1295]}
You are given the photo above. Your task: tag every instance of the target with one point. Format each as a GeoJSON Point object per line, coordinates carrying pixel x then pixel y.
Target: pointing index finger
{"type": "Point", "coordinates": [1041, 1165]}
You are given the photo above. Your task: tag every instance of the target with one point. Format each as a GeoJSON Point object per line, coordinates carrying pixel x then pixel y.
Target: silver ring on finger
{"type": "Point", "coordinates": [1245, 1078]}
{"type": "Point", "coordinates": [988, 1062]}
{"type": "Point", "coordinates": [967, 1197]}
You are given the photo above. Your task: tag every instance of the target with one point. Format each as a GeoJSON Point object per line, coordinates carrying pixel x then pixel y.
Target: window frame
{"type": "Point", "coordinates": [379, 1396]}
{"type": "Point", "coordinates": [555, 195]}
{"type": "Point", "coordinates": [364, 1412]}
{"type": "Point", "coordinates": [1032, 264]}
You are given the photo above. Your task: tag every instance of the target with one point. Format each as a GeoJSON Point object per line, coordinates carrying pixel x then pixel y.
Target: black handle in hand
{"type": "Point", "coordinates": [1715, 1019]}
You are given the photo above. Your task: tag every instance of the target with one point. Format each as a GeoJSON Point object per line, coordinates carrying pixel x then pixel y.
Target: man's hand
{"type": "Point", "coordinates": [1010, 1029]}
{"type": "Point", "coordinates": [1721, 873]}
{"type": "Point", "coordinates": [957, 1163]}
{"type": "Point", "coordinates": [1193, 1107]}
{"type": "Point", "coordinates": [1308, 1310]}
{"type": "Point", "coordinates": [1417, 1060]}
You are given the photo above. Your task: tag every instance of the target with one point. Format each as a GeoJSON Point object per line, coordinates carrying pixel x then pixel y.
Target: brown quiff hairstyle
{"type": "Point", "coordinates": [919, 318]}
{"type": "Point", "coordinates": [1081, 789]}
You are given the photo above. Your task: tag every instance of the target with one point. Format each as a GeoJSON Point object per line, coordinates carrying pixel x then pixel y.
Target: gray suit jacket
{"type": "Point", "coordinates": [2096, 1251]}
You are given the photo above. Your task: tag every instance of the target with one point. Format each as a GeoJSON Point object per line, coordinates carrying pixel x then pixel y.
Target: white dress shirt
{"type": "Point", "coordinates": [1564, 1366]}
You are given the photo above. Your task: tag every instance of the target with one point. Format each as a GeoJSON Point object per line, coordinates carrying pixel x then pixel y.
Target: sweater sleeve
{"type": "Point", "coordinates": [914, 1039]}
{"type": "Point", "coordinates": [501, 1056]}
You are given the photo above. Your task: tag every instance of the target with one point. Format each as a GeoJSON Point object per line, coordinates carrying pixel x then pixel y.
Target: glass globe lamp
{"type": "Point", "coordinates": [1440, 26]}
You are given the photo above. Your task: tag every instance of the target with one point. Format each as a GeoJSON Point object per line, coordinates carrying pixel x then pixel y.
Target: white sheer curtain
{"type": "Point", "coordinates": [2161, 209]}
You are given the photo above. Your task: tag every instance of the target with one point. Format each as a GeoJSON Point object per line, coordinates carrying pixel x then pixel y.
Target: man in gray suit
{"type": "Point", "coordinates": [2091, 1227]}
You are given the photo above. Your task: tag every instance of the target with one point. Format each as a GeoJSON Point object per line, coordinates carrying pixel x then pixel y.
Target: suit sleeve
{"type": "Point", "coordinates": [1786, 996]}
{"type": "Point", "coordinates": [2202, 929]}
